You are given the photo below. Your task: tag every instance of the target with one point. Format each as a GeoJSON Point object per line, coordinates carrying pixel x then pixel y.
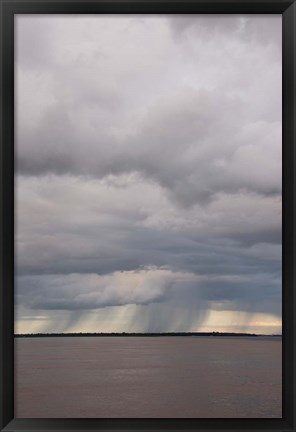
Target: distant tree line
{"type": "Point", "coordinates": [216, 334]}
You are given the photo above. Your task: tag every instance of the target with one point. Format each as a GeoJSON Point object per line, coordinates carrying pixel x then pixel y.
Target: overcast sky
{"type": "Point", "coordinates": [148, 173]}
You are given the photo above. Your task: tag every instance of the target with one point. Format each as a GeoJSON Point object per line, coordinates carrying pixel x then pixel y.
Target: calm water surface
{"type": "Point", "coordinates": [146, 377]}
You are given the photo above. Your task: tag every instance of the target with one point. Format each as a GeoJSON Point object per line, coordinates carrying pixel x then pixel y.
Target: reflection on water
{"type": "Point", "coordinates": [148, 377]}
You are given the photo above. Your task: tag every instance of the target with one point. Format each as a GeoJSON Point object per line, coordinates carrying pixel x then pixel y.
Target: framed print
{"type": "Point", "coordinates": [147, 215]}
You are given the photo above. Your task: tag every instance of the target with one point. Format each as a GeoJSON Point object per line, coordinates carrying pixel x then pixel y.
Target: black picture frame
{"type": "Point", "coordinates": [11, 7]}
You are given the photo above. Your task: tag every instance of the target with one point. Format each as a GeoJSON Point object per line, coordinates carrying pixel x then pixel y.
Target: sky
{"type": "Point", "coordinates": [148, 173]}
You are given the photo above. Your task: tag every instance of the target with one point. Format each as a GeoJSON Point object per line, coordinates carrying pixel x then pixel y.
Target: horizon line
{"type": "Point", "coordinates": [180, 333]}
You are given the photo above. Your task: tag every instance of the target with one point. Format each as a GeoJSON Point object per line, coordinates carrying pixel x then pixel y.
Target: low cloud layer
{"type": "Point", "coordinates": [148, 181]}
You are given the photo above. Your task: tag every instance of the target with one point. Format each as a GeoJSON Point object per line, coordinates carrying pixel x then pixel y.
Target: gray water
{"type": "Point", "coordinates": [148, 377]}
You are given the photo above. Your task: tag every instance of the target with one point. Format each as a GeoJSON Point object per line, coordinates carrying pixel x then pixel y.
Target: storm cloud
{"type": "Point", "coordinates": [148, 170]}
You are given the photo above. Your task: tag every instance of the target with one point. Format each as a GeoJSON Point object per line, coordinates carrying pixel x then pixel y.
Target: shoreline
{"type": "Point", "coordinates": [169, 334]}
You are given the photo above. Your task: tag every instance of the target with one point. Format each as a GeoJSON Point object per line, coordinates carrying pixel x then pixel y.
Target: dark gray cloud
{"type": "Point", "coordinates": [193, 144]}
{"type": "Point", "coordinates": [190, 146]}
{"type": "Point", "coordinates": [90, 246]}
{"type": "Point", "coordinates": [95, 227]}
{"type": "Point", "coordinates": [148, 156]}
{"type": "Point", "coordinates": [194, 139]}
